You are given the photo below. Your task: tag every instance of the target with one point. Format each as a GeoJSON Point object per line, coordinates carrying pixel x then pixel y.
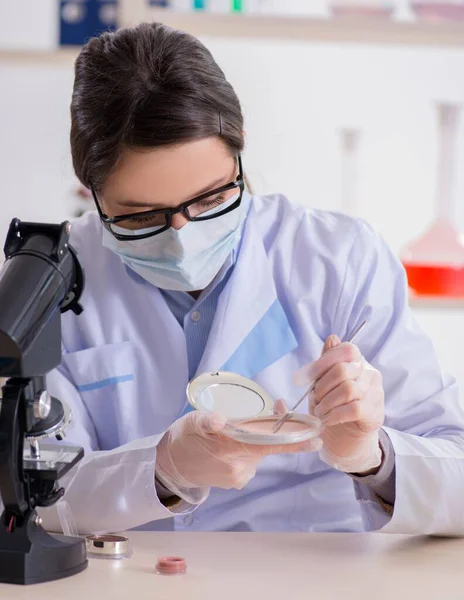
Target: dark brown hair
{"type": "Point", "coordinates": [146, 87]}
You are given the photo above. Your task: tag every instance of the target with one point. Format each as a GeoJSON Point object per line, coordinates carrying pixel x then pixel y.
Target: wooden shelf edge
{"type": "Point", "coordinates": [355, 30]}
{"type": "Point", "coordinates": [60, 56]}
{"type": "Point", "coordinates": [438, 303]}
{"type": "Point", "coordinates": [262, 27]}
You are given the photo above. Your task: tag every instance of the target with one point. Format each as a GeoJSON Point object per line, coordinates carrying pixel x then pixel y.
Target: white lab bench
{"type": "Point", "coordinates": [245, 566]}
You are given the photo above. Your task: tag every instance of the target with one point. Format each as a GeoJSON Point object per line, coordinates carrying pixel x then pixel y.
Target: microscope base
{"type": "Point", "coordinates": [35, 556]}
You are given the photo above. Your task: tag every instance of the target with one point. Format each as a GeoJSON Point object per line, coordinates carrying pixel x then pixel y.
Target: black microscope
{"type": "Point", "coordinates": [40, 279]}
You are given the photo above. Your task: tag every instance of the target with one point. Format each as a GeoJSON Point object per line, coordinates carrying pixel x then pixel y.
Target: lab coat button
{"type": "Point", "coordinates": [188, 520]}
{"type": "Point", "coordinates": [195, 316]}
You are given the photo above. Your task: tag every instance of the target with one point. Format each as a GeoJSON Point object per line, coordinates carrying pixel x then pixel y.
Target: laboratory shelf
{"type": "Point", "coordinates": [271, 27]}
{"type": "Point", "coordinates": [352, 30]}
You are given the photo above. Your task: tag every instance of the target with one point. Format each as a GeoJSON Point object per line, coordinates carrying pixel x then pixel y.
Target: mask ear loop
{"type": "Point", "coordinates": [248, 185]}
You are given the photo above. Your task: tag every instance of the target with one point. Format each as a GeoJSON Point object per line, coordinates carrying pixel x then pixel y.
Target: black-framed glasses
{"type": "Point", "coordinates": [210, 205]}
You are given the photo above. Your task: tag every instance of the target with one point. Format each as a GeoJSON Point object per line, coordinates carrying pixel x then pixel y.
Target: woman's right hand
{"type": "Point", "coordinates": [194, 453]}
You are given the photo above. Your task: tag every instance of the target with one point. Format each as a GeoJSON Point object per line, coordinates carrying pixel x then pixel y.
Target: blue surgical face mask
{"type": "Point", "coordinates": [186, 259]}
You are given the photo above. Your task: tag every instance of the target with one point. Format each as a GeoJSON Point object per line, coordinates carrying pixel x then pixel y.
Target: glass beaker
{"type": "Point", "coordinates": [436, 11]}
{"type": "Point", "coordinates": [434, 262]}
{"type": "Point", "coordinates": [349, 180]}
{"type": "Point", "coordinates": [373, 9]}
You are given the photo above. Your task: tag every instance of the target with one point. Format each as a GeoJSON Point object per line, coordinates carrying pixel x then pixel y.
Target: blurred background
{"type": "Point", "coordinates": [349, 105]}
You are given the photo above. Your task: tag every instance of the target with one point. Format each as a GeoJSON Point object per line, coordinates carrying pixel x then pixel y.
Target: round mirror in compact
{"type": "Point", "coordinates": [248, 409]}
{"type": "Point", "coordinates": [229, 394]}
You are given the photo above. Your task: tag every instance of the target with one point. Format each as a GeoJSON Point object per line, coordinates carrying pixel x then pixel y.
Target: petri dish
{"type": "Point", "coordinates": [259, 430]}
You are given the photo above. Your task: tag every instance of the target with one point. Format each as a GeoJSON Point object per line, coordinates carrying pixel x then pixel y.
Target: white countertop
{"type": "Point", "coordinates": [243, 566]}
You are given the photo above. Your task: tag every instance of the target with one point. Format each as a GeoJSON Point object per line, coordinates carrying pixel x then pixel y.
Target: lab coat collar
{"type": "Point", "coordinates": [250, 330]}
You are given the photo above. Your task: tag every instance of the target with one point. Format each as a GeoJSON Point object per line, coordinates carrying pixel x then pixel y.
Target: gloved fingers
{"type": "Point", "coordinates": [280, 408]}
{"type": "Point", "coordinates": [244, 476]}
{"type": "Point", "coordinates": [344, 371]}
{"type": "Point", "coordinates": [372, 375]}
{"type": "Point", "coordinates": [332, 341]}
{"type": "Point", "coordinates": [345, 352]}
{"type": "Point", "coordinates": [346, 413]}
{"type": "Point", "coordinates": [301, 377]}
{"type": "Point", "coordinates": [345, 393]}
{"type": "Point", "coordinates": [204, 423]}
{"type": "Point", "coordinates": [311, 403]}
{"type": "Point", "coordinates": [228, 450]}
{"type": "Point", "coordinates": [234, 474]}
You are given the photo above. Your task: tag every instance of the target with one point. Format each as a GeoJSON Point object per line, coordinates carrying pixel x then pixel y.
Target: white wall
{"type": "Point", "coordinates": [296, 96]}
{"type": "Point", "coordinates": [35, 164]}
{"type": "Point", "coordinates": [29, 24]}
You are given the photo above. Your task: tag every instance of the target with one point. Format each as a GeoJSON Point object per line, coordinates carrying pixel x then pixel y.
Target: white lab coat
{"type": "Point", "coordinates": [300, 276]}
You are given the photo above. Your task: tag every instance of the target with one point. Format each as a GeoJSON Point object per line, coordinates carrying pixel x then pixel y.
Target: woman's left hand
{"type": "Point", "coordinates": [349, 398]}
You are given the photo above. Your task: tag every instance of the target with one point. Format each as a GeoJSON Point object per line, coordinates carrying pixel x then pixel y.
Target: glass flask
{"type": "Point", "coordinates": [436, 11]}
{"type": "Point", "coordinates": [434, 262]}
{"type": "Point", "coordinates": [373, 9]}
{"type": "Point", "coordinates": [350, 139]}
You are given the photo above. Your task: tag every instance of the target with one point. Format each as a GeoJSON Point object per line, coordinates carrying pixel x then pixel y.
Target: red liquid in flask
{"type": "Point", "coordinates": [435, 262]}
{"type": "Point", "coordinates": [435, 281]}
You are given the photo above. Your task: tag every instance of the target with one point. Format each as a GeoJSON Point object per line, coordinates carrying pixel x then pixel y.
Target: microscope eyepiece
{"type": "Point", "coordinates": [40, 279]}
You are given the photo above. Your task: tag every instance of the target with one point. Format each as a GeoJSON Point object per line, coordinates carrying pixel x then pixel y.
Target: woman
{"type": "Point", "coordinates": [187, 273]}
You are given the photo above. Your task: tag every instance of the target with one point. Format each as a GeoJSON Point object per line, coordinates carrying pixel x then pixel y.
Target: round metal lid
{"type": "Point", "coordinates": [109, 546]}
{"type": "Point", "coordinates": [229, 394]}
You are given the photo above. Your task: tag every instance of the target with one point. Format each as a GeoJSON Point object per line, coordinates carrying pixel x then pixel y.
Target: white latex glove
{"type": "Point", "coordinates": [194, 455]}
{"type": "Point", "coordinates": [349, 398]}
